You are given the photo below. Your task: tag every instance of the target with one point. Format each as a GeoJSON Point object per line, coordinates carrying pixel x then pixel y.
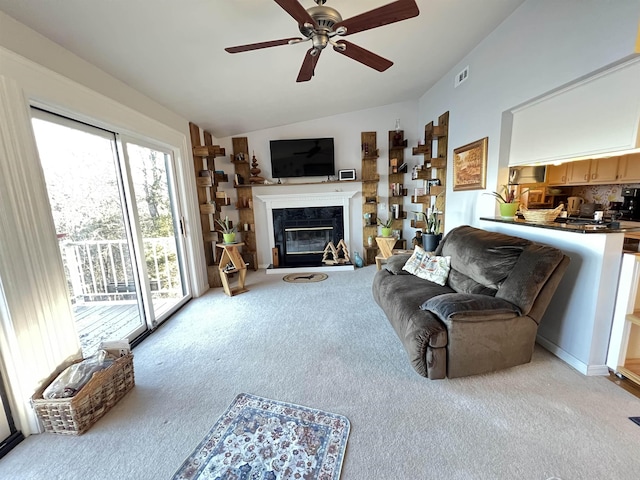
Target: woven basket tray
{"type": "Point", "coordinates": [541, 215]}
{"type": "Point", "coordinates": [74, 416]}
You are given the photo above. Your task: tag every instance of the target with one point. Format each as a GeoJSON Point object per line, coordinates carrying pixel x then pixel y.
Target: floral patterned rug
{"type": "Point", "coordinates": [262, 439]}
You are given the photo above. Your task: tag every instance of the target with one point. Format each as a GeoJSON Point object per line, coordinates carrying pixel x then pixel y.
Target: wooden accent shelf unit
{"type": "Point", "coordinates": [624, 346]}
{"type": "Point", "coordinates": [232, 262]}
{"type": "Point", "coordinates": [207, 181]}
{"type": "Point", "coordinates": [370, 179]}
{"type": "Point", "coordinates": [397, 189]}
{"type": "Point", "coordinates": [433, 168]}
{"type": "Point", "coordinates": [244, 200]}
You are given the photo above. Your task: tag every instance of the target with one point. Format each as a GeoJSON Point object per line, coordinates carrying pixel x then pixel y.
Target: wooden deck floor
{"type": "Point", "coordinates": [100, 321]}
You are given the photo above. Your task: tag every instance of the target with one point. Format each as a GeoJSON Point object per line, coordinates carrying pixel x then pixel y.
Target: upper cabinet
{"type": "Point", "coordinates": [591, 117]}
{"type": "Point", "coordinates": [603, 170]}
{"type": "Point", "coordinates": [623, 169]}
{"type": "Point", "coordinates": [629, 168]}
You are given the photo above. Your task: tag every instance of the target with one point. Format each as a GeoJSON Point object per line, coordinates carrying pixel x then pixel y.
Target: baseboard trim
{"type": "Point", "coordinates": [583, 368]}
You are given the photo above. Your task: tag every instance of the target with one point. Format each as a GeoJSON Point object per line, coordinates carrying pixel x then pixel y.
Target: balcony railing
{"type": "Point", "coordinates": [100, 270]}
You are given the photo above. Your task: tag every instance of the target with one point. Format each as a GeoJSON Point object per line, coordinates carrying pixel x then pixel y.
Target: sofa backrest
{"type": "Point", "coordinates": [491, 263]}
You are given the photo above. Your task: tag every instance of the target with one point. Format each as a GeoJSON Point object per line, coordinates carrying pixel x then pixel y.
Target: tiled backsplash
{"type": "Point", "coordinates": [602, 194]}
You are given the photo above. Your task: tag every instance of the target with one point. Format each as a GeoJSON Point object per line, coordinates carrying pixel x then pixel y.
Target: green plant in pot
{"type": "Point", "coordinates": [228, 231]}
{"type": "Point", "coordinates": [508, 200]}
{"type": "Point", "coordinates": [386, 227]}
{"type": "Point", "coordinates": [431, 236]}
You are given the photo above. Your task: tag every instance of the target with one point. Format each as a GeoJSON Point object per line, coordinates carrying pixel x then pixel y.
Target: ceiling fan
{"type": "Point", "coordinates": [321, 24]}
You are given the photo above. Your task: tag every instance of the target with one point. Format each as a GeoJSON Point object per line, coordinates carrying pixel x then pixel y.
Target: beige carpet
{"type": "Point", "coordinates": [327, 345]}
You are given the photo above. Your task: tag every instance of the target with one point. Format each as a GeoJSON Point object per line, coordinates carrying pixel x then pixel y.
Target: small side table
{"type": "Point", "coordinates": [231, 262]}
{"type": "Point", "coordinates": [385, 244]}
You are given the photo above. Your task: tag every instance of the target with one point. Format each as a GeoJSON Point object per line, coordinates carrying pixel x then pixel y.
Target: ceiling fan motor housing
{"type": "Point", "coordinates": [325, 18]}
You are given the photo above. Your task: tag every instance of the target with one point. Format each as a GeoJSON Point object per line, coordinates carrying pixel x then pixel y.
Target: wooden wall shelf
{"type": "Point", "coordinates": [370, 179]}
{"type": "Point", "coordinates": [207, 181]}
{"type": "Point", "coordinates": [434, 167]}
{"type": "Point", "coordinates": [244, 203]}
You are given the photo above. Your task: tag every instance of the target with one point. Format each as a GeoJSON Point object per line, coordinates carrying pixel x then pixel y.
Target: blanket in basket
{"type": "Point", "coordinates": [261, 438]}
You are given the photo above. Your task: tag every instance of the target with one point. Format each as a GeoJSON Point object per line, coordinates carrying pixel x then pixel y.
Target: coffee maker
{"type": "Point", "coordinates": [631, 203]}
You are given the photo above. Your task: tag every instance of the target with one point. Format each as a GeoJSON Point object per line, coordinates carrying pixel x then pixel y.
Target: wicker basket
{"type": "Point", "coordinates": [74, 416]}
{"type": "Point", "coordinates": [541, 215]}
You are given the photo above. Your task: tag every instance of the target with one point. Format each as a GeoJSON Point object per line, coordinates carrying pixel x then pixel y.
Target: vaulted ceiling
{"type": "Point", "coordinates": [173, 52]}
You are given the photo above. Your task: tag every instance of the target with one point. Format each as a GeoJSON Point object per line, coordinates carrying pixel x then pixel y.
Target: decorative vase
{"type": "Point", "coordinates": [229, 237]}
{"type": "Point", "coordinates": [357, 259]}
{"type": "Point", "coordinates": [430, 241]}
{"type": "Point", "coordinates": [370, 241]}
{"type": "Point", "coordinates": [508, 210]}
{"type": "Point", "coordinates": [386, 231]}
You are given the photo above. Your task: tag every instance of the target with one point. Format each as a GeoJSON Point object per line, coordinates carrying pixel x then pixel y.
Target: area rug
{"type": "Point", "coordinates": [305, 277]}
{"type": "Point", "coordinates": [262, 439]}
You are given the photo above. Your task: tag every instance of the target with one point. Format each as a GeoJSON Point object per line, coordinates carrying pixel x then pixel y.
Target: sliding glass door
{"type": "Point", "coordinates": [150, 174]}
{"type": "Point", "coordinates": [118, 229]}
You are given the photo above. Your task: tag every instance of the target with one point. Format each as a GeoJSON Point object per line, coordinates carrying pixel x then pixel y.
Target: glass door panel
{"type": "Point", "coordinates": [159, 225]}
{"type": "Point", "coordinates": [81, 170]}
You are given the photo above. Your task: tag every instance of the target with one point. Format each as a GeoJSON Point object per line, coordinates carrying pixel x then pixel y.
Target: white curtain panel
{"type": "Point", "coordinates": [37, 331]}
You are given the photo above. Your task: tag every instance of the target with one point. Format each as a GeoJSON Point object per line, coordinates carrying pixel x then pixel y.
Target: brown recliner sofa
{"type": "Point", "coordinates": [485, 317]}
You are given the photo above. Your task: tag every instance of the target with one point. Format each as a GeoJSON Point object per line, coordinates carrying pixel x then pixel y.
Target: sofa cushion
{"type": "Point", "coordinates": [536, 264]}
{"type": "Point", "coordinates": [428, 267]}
{"type": "Point", "coordinates": [463, 306]}
{"type": "Point", "coordinates": [481, 260]}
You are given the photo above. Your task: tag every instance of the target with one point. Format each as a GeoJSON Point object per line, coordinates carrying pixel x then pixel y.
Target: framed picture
{"type": "Point", "coordinates": [470, 166]}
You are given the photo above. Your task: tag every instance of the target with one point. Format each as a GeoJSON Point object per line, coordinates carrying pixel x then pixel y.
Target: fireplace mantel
{"type": "Point", "coordinates": [309, 199]}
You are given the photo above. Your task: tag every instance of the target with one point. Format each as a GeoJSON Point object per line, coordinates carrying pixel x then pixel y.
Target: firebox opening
{"type": "Point", "coordinates": [302, 234]}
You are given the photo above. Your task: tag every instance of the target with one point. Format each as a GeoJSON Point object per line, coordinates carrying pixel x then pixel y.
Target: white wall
{"type": "Point", "coordinates": [543, 45]}
{"type": "Point", "coordinates": [345, 129]}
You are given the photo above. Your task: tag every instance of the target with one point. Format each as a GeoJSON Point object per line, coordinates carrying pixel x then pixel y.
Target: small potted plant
{"type": "Point", "coordinates": [508, 200]}
{"type": "Point", "coordinates": [386, 227]}
{"type": "Point", "coordinates": [432, 235]}
{"type": "Point", "coordinates": [228, 231]}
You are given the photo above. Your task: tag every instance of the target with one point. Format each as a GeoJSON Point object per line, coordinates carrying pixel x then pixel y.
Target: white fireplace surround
{"type": "Point", "coordinates": [305, 200]}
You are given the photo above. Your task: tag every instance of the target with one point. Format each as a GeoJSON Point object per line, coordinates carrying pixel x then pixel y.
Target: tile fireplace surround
{"type": "Point", "coordinates": [304, 200]}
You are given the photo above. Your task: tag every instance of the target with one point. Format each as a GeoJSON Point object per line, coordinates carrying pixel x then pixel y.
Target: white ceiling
{"type": "Point", "coordinates": [173, 51]}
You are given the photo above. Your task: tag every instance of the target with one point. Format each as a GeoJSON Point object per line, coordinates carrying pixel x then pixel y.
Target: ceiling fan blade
{"type": "Point", "coordinates": [257, 46]}
{"type": "Point", "coordinates": [363, 56]}
{"type": "Point", "coordinates": [308, 66]}
{"type": "Point", "coordinates": [391, 13]}
{"type": "Point", "coordinates": [297, 11]}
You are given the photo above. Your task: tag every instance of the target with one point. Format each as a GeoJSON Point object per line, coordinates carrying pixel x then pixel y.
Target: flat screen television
{"type": "Point", "coordinates": [307, 157]}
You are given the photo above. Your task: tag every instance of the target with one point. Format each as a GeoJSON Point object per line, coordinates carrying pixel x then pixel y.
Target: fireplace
{"type": "Point", "coordinates": [301, 224]}
{"type": "Point", "coordinates": [301, 234]}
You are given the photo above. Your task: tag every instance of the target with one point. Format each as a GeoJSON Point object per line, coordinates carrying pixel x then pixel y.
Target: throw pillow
{"type": "Point", "coordinates": [428, 267]}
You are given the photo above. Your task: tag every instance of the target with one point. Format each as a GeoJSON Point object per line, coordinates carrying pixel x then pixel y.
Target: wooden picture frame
{"type": "Point", "coordinates": [470, 166]}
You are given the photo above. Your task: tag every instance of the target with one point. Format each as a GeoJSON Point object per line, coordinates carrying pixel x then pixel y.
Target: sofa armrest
{"type": "Point", "coordinates": [470, 307]}
{"type": "Point", "coordinates": [396, 262]}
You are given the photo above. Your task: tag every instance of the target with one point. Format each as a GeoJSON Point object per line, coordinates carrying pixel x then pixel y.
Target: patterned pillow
{"type": "Point", "coordinates": [429, 267]}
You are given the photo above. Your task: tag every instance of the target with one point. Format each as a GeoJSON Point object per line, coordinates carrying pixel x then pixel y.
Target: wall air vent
{"type": "Point", "coordinates": [461, 77]}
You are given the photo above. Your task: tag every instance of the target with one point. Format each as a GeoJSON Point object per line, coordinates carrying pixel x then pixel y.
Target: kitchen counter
{"type": "Point", "coordinates": [624, 227]}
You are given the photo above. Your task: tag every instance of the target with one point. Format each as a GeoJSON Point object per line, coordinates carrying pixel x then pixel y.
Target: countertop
{"type": "Point", "coordinates": [624, 227]}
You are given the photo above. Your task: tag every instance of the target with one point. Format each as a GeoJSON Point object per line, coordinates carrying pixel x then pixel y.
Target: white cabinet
{"type": "Point", "coordinates": [624, 344]}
